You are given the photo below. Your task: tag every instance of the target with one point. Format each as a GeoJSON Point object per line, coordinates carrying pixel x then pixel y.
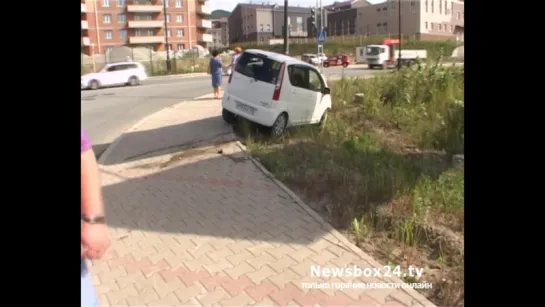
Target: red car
{"type": "Point", "coordinates": [337, 61]}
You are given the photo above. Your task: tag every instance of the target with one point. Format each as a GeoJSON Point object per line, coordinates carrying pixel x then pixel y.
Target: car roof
{"type": "Point", "coordinates": [278, 57]}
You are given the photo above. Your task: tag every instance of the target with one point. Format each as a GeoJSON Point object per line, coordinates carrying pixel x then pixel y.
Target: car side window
{"type": "Point", "coordinates": [112, 68]}
{"type": "Point", "coordinates": [305, 77]}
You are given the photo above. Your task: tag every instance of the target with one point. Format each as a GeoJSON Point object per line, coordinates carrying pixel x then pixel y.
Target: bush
{"type": "Point", "coordinates": [348, 46]}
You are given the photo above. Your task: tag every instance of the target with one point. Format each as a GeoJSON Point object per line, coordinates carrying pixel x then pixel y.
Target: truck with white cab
{"type": "Point", "coordinates": [387, 54]}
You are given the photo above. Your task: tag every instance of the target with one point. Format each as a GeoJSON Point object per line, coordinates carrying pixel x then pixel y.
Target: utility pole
{"type": "Point", "coordinates": [166, 36]}
{"type": "Point", "coordinates": [286, 29]}
{"type": "Point", "coordinates": [399, 36]}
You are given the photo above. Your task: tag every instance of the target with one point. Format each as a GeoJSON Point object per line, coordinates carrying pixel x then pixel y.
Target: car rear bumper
{"type": "Point", "coordinates": [261, 115]}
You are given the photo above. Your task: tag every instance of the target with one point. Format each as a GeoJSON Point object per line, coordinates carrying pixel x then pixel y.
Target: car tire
{"type": "Point", "coordinates": [370, 66]}
{"type": "Point", "coordinates": [345, 64]}
{"type": "Point", "coordinates": [94, 84]}
{"type": "Point", "coordinates": [279, 125]}
{"type": "Point", "coordinates": [134, 81]}
{"type": "Point", "coordinates": [326, 64]}
{"type": "Point", "coordinates": [228, 116]}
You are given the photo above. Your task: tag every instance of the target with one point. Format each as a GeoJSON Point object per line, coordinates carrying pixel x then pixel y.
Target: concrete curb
{"type": "Point", "coordinates": [342, 240]}
{"type": "Point", "coordinates": [104, 156]}
{"type": "Point", "coordinates": [180, 76]}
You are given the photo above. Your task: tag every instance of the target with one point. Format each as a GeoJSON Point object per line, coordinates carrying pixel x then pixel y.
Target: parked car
{"type": "Point", "coordinates": [337, 61]}
{"type": "Point", "coordinates": [311, 58]}
{"type": "Point", "coordinates": [121, 73]}
{"type": "Point", "coordinates": [275, 91]}
{"type": "Point", "coordinates": [322, 57]}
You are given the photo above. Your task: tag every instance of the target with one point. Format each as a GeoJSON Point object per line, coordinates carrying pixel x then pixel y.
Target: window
{"type": "Point", "coordinates": [446, 7]}
{"type": "Point", "coordinates": [451, 28]}
{"type": "Point", "coordinates": [107, 18]}
{"type": "Point", "coordinates": [180, 46]}
{"type": "Point", "coordinates": [299, 24]}
{"type": "Point", "coordinates": [108, 34]}
{"type": "Point", "coordinates": [121, 3]}
{"type": "Point", "coordinates": [180, 32]}
{"type": "Point", "coordinates": [385, 11]}
{"type": "Point", "coordinates": [121, 18]}
{"type": "Point", "coordinates": [426, 5]}
{"type": "Point", "coordinates": [168, 18]}
{"type": "Point", "coordinates": [144, 32]}
{"type": "Point", "coordinates": [168, 33]}
{"type": "Point", "coordinates": [123, 34]}
{"type": "Point", "coordinates": [385, 27]}
{"type": "Point", "coordinates": [305, 77]}
{"type": "Point", "coordinates": [269, 28]}
{"type": "Point", "coordinates": [440, 6]}
{"type": "Point", "coordinates": [457, 15]}
{"type": "Point", "coordinates": [178, 3]}
{"type": "Point", "coordinates": [258, 67]}
{"type": "Point", "coordinates": [105, 3]}
{"type": "Point", "coordinates": [179, 18]}
{"type": "Point", "coordinates": [440, 27]}
{"type": "Point", "coordinates": [432, 26]}
{"type": "Point", "coordinates": [426, 25]}
{"type": "Point", "coordinates": [143, 17]}
{"type": "Point", "coordinates": [413, 7]}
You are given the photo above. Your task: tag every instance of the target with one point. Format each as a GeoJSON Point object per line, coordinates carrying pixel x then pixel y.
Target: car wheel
{"type": "Point", "coordinates": [228, 116]}
{"type": "Point", "coordinates": [279, 125]}
{"type": "Point", "coordinates": [326, 64]}
{"type": "Point", "coordinates": [133, 81]}
{"type": "Point", "coordinates": [345, 64]}
{"type": "Point", "coordinates": [94, 84]}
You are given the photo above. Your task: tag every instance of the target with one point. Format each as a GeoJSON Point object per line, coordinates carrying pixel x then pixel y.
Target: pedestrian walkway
{"type": "Point", "coordinates": [196, 223]}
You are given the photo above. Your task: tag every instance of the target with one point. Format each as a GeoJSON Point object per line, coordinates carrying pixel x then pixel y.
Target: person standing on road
{"type": "Point", "coordinates": [94, 232]}
{"type": "Point", "coordinates": [215, 70]}
{"type": "Point", "coordinates": [238, 51]}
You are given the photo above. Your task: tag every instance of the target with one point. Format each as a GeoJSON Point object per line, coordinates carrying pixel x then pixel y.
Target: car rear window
{"type": "Point", "coordinates": [259, 67]}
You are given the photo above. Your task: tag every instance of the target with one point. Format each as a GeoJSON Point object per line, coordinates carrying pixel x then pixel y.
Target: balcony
{"type": "Point", "coordinates": [149, 24]}
{"type": "Point", "coordinates": [84, 8]}
{"type": "Point", "coordinates": [85, 41]}
{"type": "Point", "coordinates": [206, 24]}
{"type": "Point", "coordinates": [207, 38]}
{"type": "Point", "coordinates": [204, 10]}
{"type": "Point", "coordinates": [84, 25]}
{"type": "Point", "coordinates": [144, 8]}
{"type": "Point", "coordinates": [146, 39]}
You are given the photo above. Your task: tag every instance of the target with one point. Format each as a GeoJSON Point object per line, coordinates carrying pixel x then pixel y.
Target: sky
{"type": "Point", "coordinates": [229, 5]}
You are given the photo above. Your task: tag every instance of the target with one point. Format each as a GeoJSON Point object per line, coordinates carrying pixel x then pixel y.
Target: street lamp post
{"type": "Point", "coordinates": [286, 29]}
{"type": "Point", "coordinates": [166, 36]}
{"type": "Point", "coordinates": [399, 34]}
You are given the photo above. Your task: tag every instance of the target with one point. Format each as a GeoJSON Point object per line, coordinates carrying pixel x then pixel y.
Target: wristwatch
{"type": "Point", "coordinates": [94, 219]}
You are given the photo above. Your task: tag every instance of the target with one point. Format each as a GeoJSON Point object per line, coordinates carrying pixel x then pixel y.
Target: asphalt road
{"type": "Point", "coordinates": [107, 113]}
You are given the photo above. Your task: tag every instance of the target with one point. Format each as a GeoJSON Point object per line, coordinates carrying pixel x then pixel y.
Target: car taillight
{"type": "Point", "coordinates": [278, 86]}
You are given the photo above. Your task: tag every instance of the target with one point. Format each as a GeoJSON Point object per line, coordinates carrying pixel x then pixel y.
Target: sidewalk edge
{"type": "Point", "coordinates": [342, 240]}
{"type": "Point", "coordinates": [104, 156]}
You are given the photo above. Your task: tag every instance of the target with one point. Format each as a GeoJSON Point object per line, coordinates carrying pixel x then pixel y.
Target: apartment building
{"type": "Point", "coordinates": [263, 22]}
{"type": "Point", "coordinates": [423, 19]}
{"type": "Point", "coordinates": [340, 18]}
{"type": "Point", "coordinates": [219, 32]}
{"type": "Point", "coordinates": [141, 23]}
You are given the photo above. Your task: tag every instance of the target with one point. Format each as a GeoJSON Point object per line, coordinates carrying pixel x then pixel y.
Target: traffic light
{"type": "Point", "coordinates": [313, 18]}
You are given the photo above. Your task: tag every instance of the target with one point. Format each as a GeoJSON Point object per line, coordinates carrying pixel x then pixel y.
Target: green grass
{"type": "Point", "coordinates": [383, 166]}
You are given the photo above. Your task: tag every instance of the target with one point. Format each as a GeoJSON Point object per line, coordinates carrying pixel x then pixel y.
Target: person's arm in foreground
{"type": "Point", "coordinates": [94, 232]}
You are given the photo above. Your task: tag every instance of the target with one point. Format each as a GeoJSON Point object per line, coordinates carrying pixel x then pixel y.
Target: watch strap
{"type": "Point", "coordinates": [94, 219]}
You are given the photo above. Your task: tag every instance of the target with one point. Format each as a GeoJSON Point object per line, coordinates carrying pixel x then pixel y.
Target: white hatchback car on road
{"type": "Point", "coordinates": [275, 91]}
{"type": "Point", "coordinates": [128, 73]}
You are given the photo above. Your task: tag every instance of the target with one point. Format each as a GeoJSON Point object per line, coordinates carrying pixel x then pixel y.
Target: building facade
{"type": "Point", "coordinates": [141, 23]}
{"type": "Point", "coordinates": [220, 33]}
{"type": "Point", "coordinates": [341, 17]}
{"type": "Point", "coordinates": [422, 19]}
{"type": "Point", "coordinates": [262, 22]}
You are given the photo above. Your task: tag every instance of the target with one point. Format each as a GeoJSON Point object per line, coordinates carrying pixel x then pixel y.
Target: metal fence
{"type": "Point", "coordinates": [155, 62]}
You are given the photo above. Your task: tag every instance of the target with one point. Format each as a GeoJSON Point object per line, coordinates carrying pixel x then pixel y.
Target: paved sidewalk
{"type": "Point", "coordinates": [196, 223]}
